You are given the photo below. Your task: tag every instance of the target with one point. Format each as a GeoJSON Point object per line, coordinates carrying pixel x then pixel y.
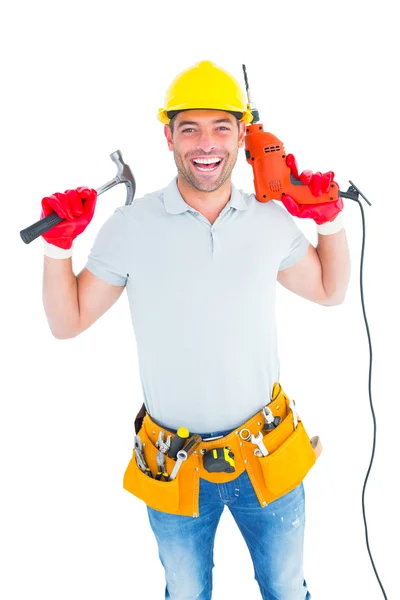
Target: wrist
{"type": "Point", "coordinates": [53, 251]}
{"type": "Point", "coordinates": [331, 226]}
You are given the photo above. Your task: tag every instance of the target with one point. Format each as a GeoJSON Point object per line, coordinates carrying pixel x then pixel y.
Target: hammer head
{"type": "Point", "coordinates": [124, 175]}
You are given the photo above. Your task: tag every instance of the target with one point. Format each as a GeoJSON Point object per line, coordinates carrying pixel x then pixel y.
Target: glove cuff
{"type": "Point", "coordinates": [53, 251]}
{"type": "Point", "coordinates": [331, 226]}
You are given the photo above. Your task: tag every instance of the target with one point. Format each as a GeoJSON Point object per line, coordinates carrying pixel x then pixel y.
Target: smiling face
{"type": "Point", "coordinates": [205, 144]}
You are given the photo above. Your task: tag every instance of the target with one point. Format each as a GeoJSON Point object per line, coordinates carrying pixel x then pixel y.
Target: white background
{"type": "Point", "coordinates": [83, 79]}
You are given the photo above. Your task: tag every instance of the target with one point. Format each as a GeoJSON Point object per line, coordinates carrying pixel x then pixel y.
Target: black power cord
{"type": "Point", "coordinates": [352, 193]}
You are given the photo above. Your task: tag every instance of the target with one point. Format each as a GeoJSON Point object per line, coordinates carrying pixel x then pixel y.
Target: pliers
{"type": "Point", "coordinates": [161, 445]}
{"type": "Point", "coordinates": [270, 421]}
{"type": "Point", "coordinates": [160, 458]}
{"type": "Point", "coordinates": [143, 466]}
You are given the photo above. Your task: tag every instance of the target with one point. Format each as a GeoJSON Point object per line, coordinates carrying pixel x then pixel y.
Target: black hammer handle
{"type": "Point", "coordinates": [33, 231]}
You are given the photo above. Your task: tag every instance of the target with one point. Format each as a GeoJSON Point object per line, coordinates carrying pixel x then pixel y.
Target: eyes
{"type": "Point", "coordinates": [189, 129]}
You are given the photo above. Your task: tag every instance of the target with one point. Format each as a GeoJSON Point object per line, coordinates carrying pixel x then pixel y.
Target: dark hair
{"type": "Point", "coordinates": [172, 123]}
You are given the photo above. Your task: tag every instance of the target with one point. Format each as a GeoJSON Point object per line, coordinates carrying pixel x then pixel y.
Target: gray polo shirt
{"type": "Point", "coordinates": [202, 301]}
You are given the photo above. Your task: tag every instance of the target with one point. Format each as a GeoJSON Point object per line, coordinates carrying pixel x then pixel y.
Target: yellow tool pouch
{"type": "Point", "coordinates": [291, 454]}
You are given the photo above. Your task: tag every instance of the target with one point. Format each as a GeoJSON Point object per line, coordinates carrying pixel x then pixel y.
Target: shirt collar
{"type": "Point", "coordinates": [175, 204]}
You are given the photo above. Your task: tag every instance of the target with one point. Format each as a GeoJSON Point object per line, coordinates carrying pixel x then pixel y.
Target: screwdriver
{"type": "Point", "coordinates": [184, 454]}
{"type": "Point", "coordinates": [178, 441]}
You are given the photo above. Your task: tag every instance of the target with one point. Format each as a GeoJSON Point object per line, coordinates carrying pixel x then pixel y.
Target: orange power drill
{"type": "Point", "coordinates": [272, 176]}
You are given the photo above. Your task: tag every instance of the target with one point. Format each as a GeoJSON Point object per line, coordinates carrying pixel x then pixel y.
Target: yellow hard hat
{"type": "Point", "coordinates": [205, 86]}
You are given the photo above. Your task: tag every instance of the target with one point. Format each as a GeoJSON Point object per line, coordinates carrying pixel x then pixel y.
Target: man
{"type": "Point", "coordinates": [200, 260]}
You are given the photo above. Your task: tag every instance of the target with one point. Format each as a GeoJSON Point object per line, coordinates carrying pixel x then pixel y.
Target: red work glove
{"type": "Point", "coordinates": [319, 184]}
{"type": "Point", "coordinates": [76, 207]}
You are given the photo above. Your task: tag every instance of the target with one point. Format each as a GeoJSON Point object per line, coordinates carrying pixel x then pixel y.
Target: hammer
{"type": "Point", "coordinates": [124, 175]}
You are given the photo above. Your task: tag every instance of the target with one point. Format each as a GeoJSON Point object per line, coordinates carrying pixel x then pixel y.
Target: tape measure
{"type": "Point", "coordinates": [219, 460]}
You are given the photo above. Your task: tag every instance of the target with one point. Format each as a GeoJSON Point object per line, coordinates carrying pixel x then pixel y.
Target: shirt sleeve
{"type": "Point", "coordinates": [295, 243]}
{"type": "Point", "coordinates": [108, 257]}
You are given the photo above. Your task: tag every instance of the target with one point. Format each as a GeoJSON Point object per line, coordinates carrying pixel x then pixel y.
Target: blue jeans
{"type": "Point", "coordinates": [274, 536]}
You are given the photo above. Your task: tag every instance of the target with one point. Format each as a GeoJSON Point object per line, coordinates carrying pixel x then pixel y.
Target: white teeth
{"type": "Point", "coordinates": [206, 161]}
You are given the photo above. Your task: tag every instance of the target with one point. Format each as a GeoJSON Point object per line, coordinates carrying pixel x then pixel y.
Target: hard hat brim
{"type": "Point", "coordinates": [172, 113]}
{"type": "Point", "coordinates": [165, 116]}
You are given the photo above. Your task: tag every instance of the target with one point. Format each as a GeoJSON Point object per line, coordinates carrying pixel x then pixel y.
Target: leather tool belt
{"type": "Point", "coordinates": [291, 454]}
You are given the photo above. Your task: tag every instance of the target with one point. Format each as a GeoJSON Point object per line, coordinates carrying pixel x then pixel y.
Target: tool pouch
{"type": "Point", "coordinates": [285, 468]}
{"type": "Point", "coordinates": [291, 453]}
{"type": "Point", "coordinates": [160, 495]}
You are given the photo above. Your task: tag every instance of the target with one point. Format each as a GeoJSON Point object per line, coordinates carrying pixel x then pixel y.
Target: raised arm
{"type": "Point", "coordinates": [323, 274]}
{"type": "Point", "coordinates": [72, 303]}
